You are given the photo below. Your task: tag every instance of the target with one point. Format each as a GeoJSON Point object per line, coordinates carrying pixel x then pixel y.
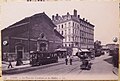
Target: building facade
{"type": "Point", "coordinates": [35, 33]}
{"type": "Point", "coordinates": [112, 46]}
{"type": "Point", "coordinates": [77, 32]}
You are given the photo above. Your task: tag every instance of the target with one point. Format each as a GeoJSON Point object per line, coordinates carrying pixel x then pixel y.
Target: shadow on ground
{"type": "Point", "coordinates": [109, 60]}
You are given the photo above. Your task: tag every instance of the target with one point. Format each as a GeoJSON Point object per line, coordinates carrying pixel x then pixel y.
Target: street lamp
{"type": "Point", "coordinates": [115, 56]}
{"type": "Point", "coordinates": [5, 43]}
{"type": "Point", "coordinates": [115, 39]}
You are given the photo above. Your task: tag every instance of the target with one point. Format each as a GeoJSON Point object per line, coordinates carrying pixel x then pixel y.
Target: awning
{"type": "Point", "coordinates": [84, 50]}
{"type": "Point", "coordinates": [60, 49]}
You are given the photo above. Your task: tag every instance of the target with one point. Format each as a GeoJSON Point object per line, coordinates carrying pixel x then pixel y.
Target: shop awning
{"type": "Point", "coordinates": [60, 49]}
{"type": "Point", "coordinates": [84, 50]}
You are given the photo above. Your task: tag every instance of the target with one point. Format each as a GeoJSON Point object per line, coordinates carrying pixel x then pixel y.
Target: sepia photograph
{"type": "Point", "coordinates": [60, 40]}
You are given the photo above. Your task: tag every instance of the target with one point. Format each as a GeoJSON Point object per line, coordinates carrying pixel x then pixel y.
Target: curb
{"type": "Point", "coordinates": [115, 71]}
{"type": "Point", "coordinates": [30, 68]}
{"type": "Point", "coordinates": [27, 69]}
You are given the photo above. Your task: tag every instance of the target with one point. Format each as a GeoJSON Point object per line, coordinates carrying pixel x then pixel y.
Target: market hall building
{"type": "Point", "coordinates": [35, 33]}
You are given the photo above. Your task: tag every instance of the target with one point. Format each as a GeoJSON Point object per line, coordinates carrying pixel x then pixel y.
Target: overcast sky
{"type": "Point", "coordinates": [104, 15]}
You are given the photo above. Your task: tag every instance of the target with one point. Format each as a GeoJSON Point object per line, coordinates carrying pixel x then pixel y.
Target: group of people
{"type": "Point", "coordinates": [68, 59]}
{"type": "Point", "coordinates": [18, 62]}
{"type": "Point", "coordinates": [84, 58]}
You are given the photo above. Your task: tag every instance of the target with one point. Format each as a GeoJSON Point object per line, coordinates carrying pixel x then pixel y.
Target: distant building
{"type": "Point", "coordinates": [77, 32]}
{"type": "Point", "coordinates": [112, 46]}
{"type": "Point", "coordinates": [104, 47]}
{"type": "Point", "coordinates": [35, 33]}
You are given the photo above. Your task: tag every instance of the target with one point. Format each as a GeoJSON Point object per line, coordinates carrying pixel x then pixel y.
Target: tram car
{"type": "Point", "coordinates": [42, 58]}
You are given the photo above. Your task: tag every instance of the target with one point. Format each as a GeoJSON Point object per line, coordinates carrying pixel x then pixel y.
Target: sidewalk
{"type": "Point", "coordinates": [115, 71]}
{"type": "Point", "coordinates": [27, 67]}
{"type": "Point", "coordinates": [5, 65]}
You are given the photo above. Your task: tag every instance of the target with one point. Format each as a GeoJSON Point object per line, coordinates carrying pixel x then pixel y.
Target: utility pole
{"type": "Point", "coordinates": [29, 26]}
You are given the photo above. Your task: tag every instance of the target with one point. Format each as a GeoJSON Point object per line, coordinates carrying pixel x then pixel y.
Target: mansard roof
{"type": "Point", "coordinates": [57, 19]}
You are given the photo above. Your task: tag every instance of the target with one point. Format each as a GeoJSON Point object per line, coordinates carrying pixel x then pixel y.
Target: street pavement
{"type": "Point", "coordinates": [100, 70]}
{"type": "Point", "coordinates": [27, 67]}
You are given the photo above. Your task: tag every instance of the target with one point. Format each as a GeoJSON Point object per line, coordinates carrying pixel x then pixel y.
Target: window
{"type": "Point", "coordinates": [65, 32]}
{"type": "Point", "coordinates": [59, 26]}
{"type": "Point", "coordinates": [69, 38]}
{"type": "Point", "coordinates": [77, 25]}
{"type": "Point", "coordinates": [73, 31]}
{"type": "Point", "coordinates": [65, 24]}
{"type": "Point", "coordinates": [65, 45]}
{"type": "Point", "coordinates": [62, 25]}
{"type": "Point", "coordinates": [82, 34]}
{"type": "Point", "coordinates": [69, 24]}
{"type": "Point", "coordinates": [62, 33]}
{"type": "Point", "coordinates": [69, 45]}
{"type": "Point", "coordinates": [73, 38]}
{"type": "Point", "coordinates": [69, 31]}
{"type": "Point", "coordinates": [65, 38]}
{"type": "Point", "coordinates": [73, 24]}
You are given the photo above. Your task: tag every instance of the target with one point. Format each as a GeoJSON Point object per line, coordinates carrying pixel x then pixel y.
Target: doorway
{"type": "Point", "coordinates": [19, 54]}
{"type": "Point", "coordinates": [43, 47]}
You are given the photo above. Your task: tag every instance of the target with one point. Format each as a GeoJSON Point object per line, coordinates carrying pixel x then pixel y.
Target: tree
{"type": "Point", "coordinates": [97, 47]}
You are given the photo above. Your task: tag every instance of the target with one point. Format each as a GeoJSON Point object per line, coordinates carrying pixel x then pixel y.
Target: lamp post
{"type": "Point", "coordinates": [115, 56]}
{"type": "Point", "coordinates": [115, 39]}
{"type": "Point", "coordinates": [5, 43]}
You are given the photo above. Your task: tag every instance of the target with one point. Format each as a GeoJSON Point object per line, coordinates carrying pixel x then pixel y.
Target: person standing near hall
{"type": "Point", "coordinates": [70, 60]}
{"type": "Point", "coordinates": [10, 60]}
{"type": "Point", "coordinates": [66, 60]}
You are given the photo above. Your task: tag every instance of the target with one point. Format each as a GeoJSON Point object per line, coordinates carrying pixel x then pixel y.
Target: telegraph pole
{"type": "Point", "coordinates": [29, 26]}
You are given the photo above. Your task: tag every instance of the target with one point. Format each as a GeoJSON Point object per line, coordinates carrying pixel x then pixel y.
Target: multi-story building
{"type": "Point", "coordinates": [77, 32]}
{"type": "Point", "coordinates": [35, 33]}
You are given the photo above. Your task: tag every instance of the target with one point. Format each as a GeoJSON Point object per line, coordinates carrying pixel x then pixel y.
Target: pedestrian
{"type": "Point", "coordinates": [70, 60]}
{"type": "Point", "coordinates": [66, 61]}
{"type": "Point", "coordinates": [19, 62]}
{"type": "Point", "coordinates": [10, 60]}
{"type": "Point", "coordinates": [10, 65]}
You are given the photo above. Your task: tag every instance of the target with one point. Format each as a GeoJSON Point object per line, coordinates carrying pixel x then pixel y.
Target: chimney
{"type": "Point", "coordinates": [56, 16]}
{"type": "Point", "coordinates": [86, 20]}
{"type": "Point", "coordinates": [83, 19]}
{"type": "Point", "coordinates": [53, 17]}
{"type": "Point", "coordinates": [75, 13]}
{"type": "Point", "coordinates": [68, 13]}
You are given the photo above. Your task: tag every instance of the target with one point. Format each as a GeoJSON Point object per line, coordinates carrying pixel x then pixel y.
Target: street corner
{"type": "Point", "coordinates": [116, 71]}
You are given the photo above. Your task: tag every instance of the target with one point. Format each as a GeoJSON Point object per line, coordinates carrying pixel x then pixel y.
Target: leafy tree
{"type": "Point", "coordinates": [97, 47]}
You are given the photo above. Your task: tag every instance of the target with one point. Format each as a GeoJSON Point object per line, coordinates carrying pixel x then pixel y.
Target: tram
{"type": "Point", "coordinates": [42, 58]}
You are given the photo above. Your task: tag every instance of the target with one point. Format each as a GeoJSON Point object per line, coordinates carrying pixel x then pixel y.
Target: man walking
{"type": "Point", "coordinates": [71, 60]}
{"type": "Point", "coordinates": [10, 60]}
{"type": "Point", "coordinates": [66, 60]}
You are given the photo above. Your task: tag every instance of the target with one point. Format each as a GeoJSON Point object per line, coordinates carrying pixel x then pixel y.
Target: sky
{"type": "Point", "coordinates": [103, 14]}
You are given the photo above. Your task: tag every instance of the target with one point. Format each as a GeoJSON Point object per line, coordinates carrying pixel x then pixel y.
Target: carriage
{"type": "Point", "coordinates": [85, 57]}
